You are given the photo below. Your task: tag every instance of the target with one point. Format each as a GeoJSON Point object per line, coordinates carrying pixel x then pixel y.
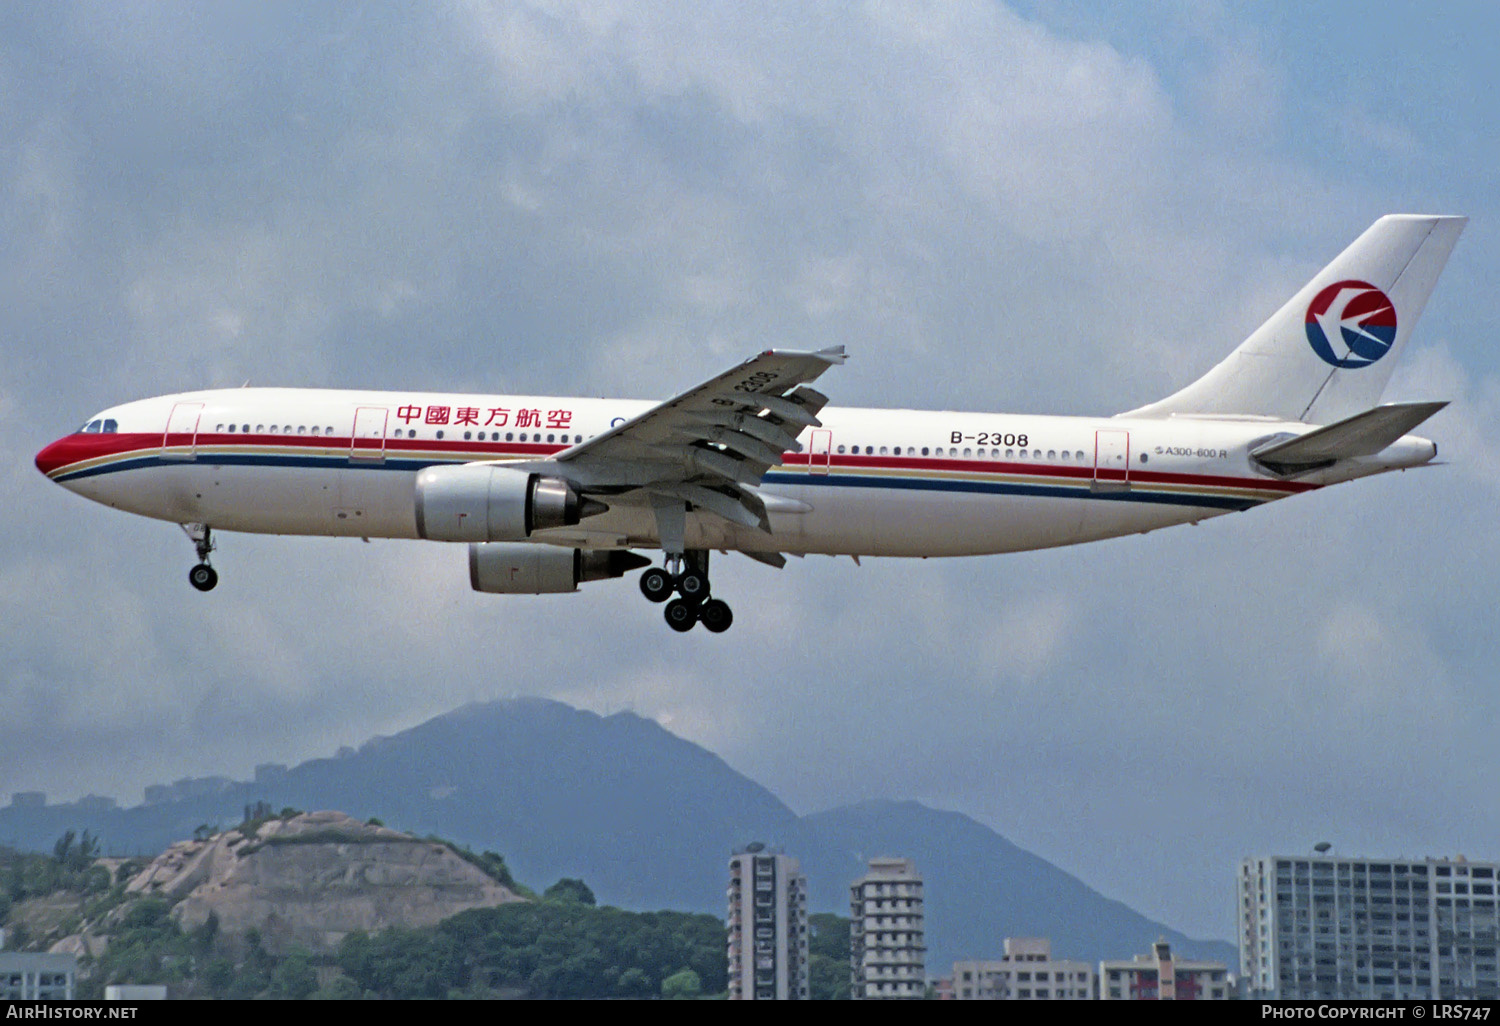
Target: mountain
{"type": "Point", "coordinates": [647, 819]}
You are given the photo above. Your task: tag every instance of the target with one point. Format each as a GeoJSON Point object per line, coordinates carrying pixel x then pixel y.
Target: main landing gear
{"type": "Point", "coordinates": [688, 577]}
{"type": "Point", "coordinates": [203, 577]}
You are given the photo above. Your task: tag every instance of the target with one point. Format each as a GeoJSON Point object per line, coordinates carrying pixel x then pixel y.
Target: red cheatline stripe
{"type": "Point", "coordinates": [80, 448]}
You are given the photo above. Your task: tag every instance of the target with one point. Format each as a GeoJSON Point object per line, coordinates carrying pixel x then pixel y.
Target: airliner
{"type": "Point", "coordinates": [551, 492]}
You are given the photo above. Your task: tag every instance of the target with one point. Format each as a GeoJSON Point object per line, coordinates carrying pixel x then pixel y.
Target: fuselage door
{"type": "Point", "coordinates": [368, 441]}
{"type": "Point", "coordinates": [1111, 461]}
{"type": "Point", "coordinates": [819, 450]}
{"type": "Point", "coordinates": [180, 440]}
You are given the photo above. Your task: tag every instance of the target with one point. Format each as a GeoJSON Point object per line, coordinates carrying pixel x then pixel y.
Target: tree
{"type": "Point", "coordinates": [682, 985]}
{"type": "Point", "coordinates": [569, 889]}
{"type": "Point", "coordinates": [294, 979]}
{"type": "Point", "coordinates": [634, 983]}
{"type": "Point", "coordinates": [828, 957]}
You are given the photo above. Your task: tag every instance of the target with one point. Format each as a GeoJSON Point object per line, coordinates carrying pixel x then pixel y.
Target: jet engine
{"type": "Point", "coordinates": [520, 568]}
{"type": "Point", "coordinates": [480, 502]}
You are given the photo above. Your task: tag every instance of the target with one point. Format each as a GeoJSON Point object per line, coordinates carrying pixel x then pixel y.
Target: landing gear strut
{"type": "Point", "coordinates": [203, 577]}
{"type": "Point", "coordinates": [687, 575]}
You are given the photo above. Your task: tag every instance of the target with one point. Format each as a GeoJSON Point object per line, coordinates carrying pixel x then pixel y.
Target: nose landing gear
{"type": "Point", "coordinates": [203, 577]}
{"type": "Point", "coordinates": [693, 604]}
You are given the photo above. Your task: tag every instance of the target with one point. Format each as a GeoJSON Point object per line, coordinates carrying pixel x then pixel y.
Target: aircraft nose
{"type": "Point", "coordinates": [53, 456]}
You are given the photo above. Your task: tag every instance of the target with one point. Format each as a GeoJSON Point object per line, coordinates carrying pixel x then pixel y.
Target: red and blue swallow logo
{"type": "Point", "coordinates": [1351, 324]}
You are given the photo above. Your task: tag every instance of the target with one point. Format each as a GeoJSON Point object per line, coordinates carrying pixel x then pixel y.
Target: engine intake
{"type": "Point", "coordinates": [485, 503]}
{"type": "Point", "coordinates": [520, 568]}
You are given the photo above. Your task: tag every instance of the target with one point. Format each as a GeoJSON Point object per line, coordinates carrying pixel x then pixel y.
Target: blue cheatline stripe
{"type": "Point", "coordinates": [1080, 491]}
{"type": "Point", "coordinates": [929, 484]}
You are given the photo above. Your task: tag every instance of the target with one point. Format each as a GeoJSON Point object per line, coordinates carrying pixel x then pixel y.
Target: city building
{"type": "Point", "coordinates": [1329, 927]}
{"type": "Point", "coordinates": [887, 945]}
{"type": "Point", "coordinates": [1027, 972]}
{"type": "Point", "coordinates": [28, 800]}
{"type": "Point", "coordinates": [767, 927]}
{"type": "Point", "coordinates": [135, 992]}
{"type": "Point", "coordinates": [26, 976]}
{"type": "Point", "coordinates": [1161, 977]}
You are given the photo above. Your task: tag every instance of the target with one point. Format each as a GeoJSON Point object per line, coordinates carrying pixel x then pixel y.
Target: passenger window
{"type": "Point", "coordinates": [315, 429]}
{"type": "Point", "coordinates": [952, 452]}
{"type": "Point", "coordinates": [967, 452]}
{"type": "Point", "coordinates": [869, 450]}
{"type": "Point", "coordinates": [245, 428]}
{"type": "Point", "coordinates": [273, 429]}
{"type": "Point", "coordinates": [219, 428]}
{"type": "Point", "coordinates": [1010, 454]}
{"type": "Point", "coordinates": [510, 436]}
{"type": "Point", "coordinates": [1065, 455]}
{"type": "Point", "coordinates": [1023, 454]}
{"type": "Point", "coordinates": [440, 434]}
{"type": "Point", "coordinates": [1080, 454]}
{"type": "Point", "coordinates": [466, 435]}
{"type": "Point", "coordinates": [260, 428]}
{"type": "Point", "coordinates": [328, 431]}
{"type": "Point", "coordinates": [1052, 454]}
{"type": "Point", "coordinates": [1036, 454]}
{"type": "Point", "coordinates": [301, 428]}
{"type": "Point", "coordinates": [924, 450]}
{"type": "Point", "coordinates": [412, 433]}
{"type": "Point", "coordinates": [287, 430]}
{"type": "Point", "coordinates": [231, 429]}
{"type": "Point", "coordinates": [841, 449]}
{"type": "Point", "coordinates": [883, 450]}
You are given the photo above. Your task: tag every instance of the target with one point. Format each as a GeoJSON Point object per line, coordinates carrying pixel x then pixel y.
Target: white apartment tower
{"type": "Point", "coordinates": [1027, 972]}
{"type": "Point", "coordinates": [1316, 927]}
{"type": "Point", "coordinates": [767, 927]}
{"type": "Point", "coordinates": [887, 943]}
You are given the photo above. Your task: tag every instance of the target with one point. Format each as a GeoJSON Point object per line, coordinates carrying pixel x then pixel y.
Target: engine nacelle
{"type": "Point", "coordinates": [480, 502]}
{"type": "Point", "coordinates": [511, 568]}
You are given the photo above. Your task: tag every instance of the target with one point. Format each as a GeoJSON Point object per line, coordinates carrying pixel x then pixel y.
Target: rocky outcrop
{"type": "Point", "coordinates": [313, 878]}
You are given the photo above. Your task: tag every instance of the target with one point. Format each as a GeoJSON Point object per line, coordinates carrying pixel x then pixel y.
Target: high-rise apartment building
{"type": "Point", "coordinates": [1325, 926]}
{"type": "Point", "coordinates": [1160, 976]}
{"type": "Point", "coordinates": [767, 927]}
{"type": "Point", "coordinates": [1027, 972]}
{"type": "Point", "coordinates": [26, 976]}
{"type": "Point", "coordinates": [887, 942]}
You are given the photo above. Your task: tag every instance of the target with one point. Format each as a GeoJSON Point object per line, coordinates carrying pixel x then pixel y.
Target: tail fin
{"type": "Point", "coordinates": [1328, 353]}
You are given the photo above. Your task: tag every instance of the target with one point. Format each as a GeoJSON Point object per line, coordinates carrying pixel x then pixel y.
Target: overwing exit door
{"type": "Point", "coordinates": [819, 450]}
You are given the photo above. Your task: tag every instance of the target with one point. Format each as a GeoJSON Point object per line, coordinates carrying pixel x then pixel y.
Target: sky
{"type": "Point", "coordinates": [1049, 207]}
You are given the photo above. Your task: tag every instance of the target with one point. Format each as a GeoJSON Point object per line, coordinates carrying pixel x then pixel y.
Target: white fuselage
{"type": "Point", "coordinates": [868, 482]}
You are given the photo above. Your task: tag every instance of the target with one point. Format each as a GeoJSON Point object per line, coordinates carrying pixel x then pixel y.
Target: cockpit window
{"type": "Point", "coordinates": [111, 427]}
{"type": "Point", "coordinates": [91, 428]}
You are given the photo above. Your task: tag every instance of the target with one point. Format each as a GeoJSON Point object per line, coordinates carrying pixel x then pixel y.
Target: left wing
{"type": "Point", "coordinates": [709, 446]}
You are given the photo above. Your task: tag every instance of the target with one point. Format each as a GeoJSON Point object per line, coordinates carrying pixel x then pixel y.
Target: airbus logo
{"type": "Point", "coordinates": [1351, 324]}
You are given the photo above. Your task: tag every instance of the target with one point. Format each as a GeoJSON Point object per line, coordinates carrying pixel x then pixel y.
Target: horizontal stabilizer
{"type": "Point", "coordinates": [1363, 434]}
